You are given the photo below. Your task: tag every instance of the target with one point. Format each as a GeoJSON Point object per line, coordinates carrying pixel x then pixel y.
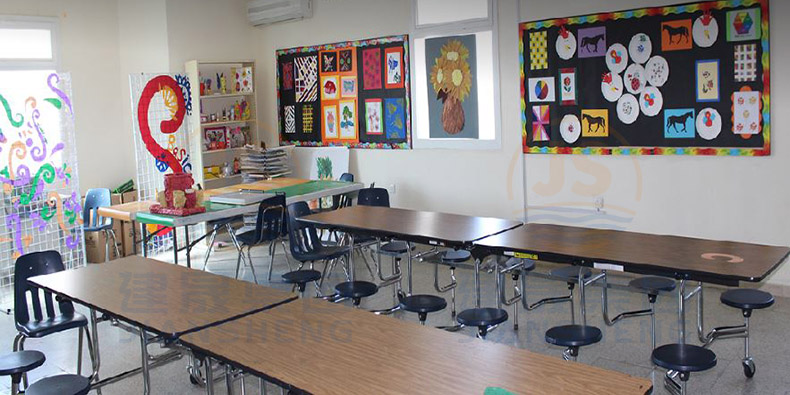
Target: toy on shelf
{"type": "Point", "coordinates": [179, 198]}
{"type": "Point", "coordinates": [214, 139]}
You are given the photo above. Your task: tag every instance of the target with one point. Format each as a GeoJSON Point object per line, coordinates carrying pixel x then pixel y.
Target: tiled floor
{"type": "Point", "coordinates": [625, 346]}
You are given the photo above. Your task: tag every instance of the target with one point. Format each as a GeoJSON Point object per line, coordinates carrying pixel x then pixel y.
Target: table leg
{"type": "Point", "coordinates": [477, 282]}
{"type": "Point", "coordinates": [144, 239]}
{"type": "Point", "coordinates": [351, 257]}
{"type": "Point", "coordinates": [187, 248]}
{"type": "Point", "coordinates": [229, 379]}
{"type": "Point", "coordinates": [682, 311]}
{"type": "Point", "coordinates": [95, 340]}
{"type": "Point", "coordinates": [134, 237]}
{"type": "Point", "coordinates": [408, 246]}
{"type": "Point", "coordinates": [582, 308]}
{"type": "Point", "coordinates": [175, 245]}
{"type": "Point", "coordinates": [209, 376]}
{"type": "Point", "coordinates": [144, 353]}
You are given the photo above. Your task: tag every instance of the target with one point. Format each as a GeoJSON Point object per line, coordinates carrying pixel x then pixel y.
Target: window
{"type": "Point", "coordinates": [28, 43]}
{"type": "Point", "coordinates": [455, 74]}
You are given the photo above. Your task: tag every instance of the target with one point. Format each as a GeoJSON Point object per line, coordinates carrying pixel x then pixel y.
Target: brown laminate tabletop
{"type": "Point", "coordinates": [322, 348]}
{"type": "Point", "coordinates": [158, 296]}
{"type": "Point", "coordinates": [424, 227]}
{"type": "Point", "coordinates": [125, 211]}
{"type": "Point", "coordinates": [724, 262]}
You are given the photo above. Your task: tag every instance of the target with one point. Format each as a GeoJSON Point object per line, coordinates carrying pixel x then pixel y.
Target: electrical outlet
{"type": "Point", "coordinates": [599, 203]}
{"type": "Point", "coordinates": [391, 189]}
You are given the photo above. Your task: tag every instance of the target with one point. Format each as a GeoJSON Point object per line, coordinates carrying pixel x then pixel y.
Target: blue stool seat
{"type": "Point", "coordinates": [573, 335]}
{"type": "Point", "coordinates": [527, 265]}
{"type": "Point", "coordinates": [747, 299]}
{"type": "Point", "coordinates": [356, 290]}
{"type": "Point", "coordinates": [481, 317]}
{"type": "Point", "coordinates": [423, 303]}
{"type": "Point", "coordinates": [455, 256]}
{"type": "Point", "coordinates": [20, 362]}
{"type": "Point", "coordinates": [301, 277]}
{"type": "Point", "coordinates": [684, 358]}
{"type": "Point", "coordinates": [570, 273]}
{"type": "Point", "coordinates": [652, 284]}
{"type": "Point", "coordinates": [50, 325]}
{"type": "Point", "coordinates": [62, 384]}
{"type": "Point", "coordinates": [395, 248]}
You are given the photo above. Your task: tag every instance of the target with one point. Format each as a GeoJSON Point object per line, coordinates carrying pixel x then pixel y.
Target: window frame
{"type": "Point", "coordinates": [33, 22]}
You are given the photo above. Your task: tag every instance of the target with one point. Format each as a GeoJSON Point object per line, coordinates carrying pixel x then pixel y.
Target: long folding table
{"type": "Point", "coordinates": [161, 301]}
{"type": "Point", "coordinates": [312, 346]}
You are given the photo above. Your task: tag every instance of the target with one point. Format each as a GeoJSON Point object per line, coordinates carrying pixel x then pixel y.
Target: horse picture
{"type": "Point", "coordinates": [592, 41]}
{"type": "Point", "coordinates": [681, 32]}
{"type": "Point", "coordinates": [599, 122]}
{"type": "Point", "coordinates": [675, 120]}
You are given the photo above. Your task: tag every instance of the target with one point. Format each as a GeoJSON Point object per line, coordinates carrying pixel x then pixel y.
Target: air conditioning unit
{"type": "Point", "coordinates": [266, 12]}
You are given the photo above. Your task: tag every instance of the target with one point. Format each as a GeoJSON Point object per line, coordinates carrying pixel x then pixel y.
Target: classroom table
{"type": "Point", "coordinates": [311, 346]}
{"type": "Point", "coordinates": [162, 301]}
{"type": "Point", "coordinates": [423, 227]}
{"type": "Point", "coordinates": [262, 185]}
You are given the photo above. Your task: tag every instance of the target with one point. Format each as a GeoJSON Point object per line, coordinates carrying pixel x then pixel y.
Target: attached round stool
{"type": "Point", "coordinates": [652, 285]}
{"type": "Point", "coordinates": [573, 337]}
{"type": "Point", "coordinates": [450, 258]}
{"type": "Point", "coordinates": [301, 277]}
{"type": "Point", "coordinates": [18, 363]}
{"type": "Point", "coordinates": [684, 359]}
{"type": "Point", "coordinates": [422, 305]}
{"type": "Point", "coordinates": [356, 290]}
{"type": "Point", "coordinates": [62, 384]}
{"type": "Point", "coordinates": [747, 300]}
{"type": "Point", "coordinates": [515, 267]}
{"type": "Point", "coordinates": [396, 249]}
{"type": "Point", "coordinates": [482, 318]}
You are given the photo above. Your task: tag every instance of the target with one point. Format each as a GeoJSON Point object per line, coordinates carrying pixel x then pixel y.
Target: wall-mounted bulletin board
{"type": "Point", "coordinates": [353, 93]}
{"type": "Point", "coordinates": [689, 79]}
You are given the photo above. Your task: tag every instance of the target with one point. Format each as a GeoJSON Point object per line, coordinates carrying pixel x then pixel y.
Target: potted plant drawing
{"type": "Point", "coordinates": [452, 81]}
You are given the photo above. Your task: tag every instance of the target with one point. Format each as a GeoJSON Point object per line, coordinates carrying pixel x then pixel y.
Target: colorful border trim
{"type": "Point", "coordinates": [404, 38]}
{"type": "Point", "coordinates": [638, 13]}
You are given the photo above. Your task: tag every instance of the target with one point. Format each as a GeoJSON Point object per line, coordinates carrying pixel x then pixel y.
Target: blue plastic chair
{"type": "Point", "coordinates": [270, 228]}
{"type": "Point", "coordinates": [93, 222]}
{"type": "Point", "coordinates": [44, 320]}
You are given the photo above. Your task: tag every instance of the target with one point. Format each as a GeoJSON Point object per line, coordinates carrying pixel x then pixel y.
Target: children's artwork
{"type": "Point", "coordinates": [394, 118]}
{"type": "Point", "coordinates": [566, 44]}
{"type": "Point", "coordinates": [705, 30]}
{"type": "Point", "coordinates": [745, 63]}
{"type": "Point", "coordinates": [640, 48]}
{"type": "Point", "coordinates": [592, 42]}
{"type": "Point", "coordinates": [290, 119]}
{"type": "Point", "coordinates": [538, 51]}
{"type": "Point", "coordinates": [330, 121]}
{"type": "Point", "coordinates": [320, 163]}
{"type": "Point", "coordinates": [329, 62]}
{"type": "Point", "coordinates": [651, 101]}
{"type": "Point", "coordinates": [244, 79]}
{"type": "Point", "coordinates": [451, 68]}
{"type": "Point", "coordinates": [676, 35]}
{"type": "Point", "coordinates": [657, 71]}
{"type": "Point", "coordinates": [616, 58]}
{"type": "Point", "coordinates": [541, 89]}
{"type": "Point", "coordinates": [236, 136]}
{"type": "Point", "coordinates": [707, 80]}
{"type": "Point", "coordinates": [371, 68]}
{"type": "Point", "coordinates": [570, 128]}
{"type": "Point", "coordinates": [307, 119]}
{"type": "Point", "coordinates": [743, 25]}
{"type": "Point", "coordinates": [288, 75]}
{"type": "Point", "coordinates": [568, 87]}
{"type": "Point", "coordinates": [708, 123]}
{"type": "Point", "coordinates": [661, 80]}
{"type": "Point", "coordinates": [347, 104]}
{"type": "Point", "coordinates": [41, 205]}
{"type": "Point", "coordinates": [679, 123]}
{"type": "Point", "coordinates": [347, 114]}
{"type": "Point", "coordinates": [348, 86]}
{"type": "Point", "coordinates": [346, 60]}
{"type": "Point", "coordinates": [611, 86]}
{"type": "Point", "coordinates": [306, 78]}
{"type": "Point", "coordinates": [595, 123]}
{"type": "Point", "coordinates": [329, 87]}
{"type": "Point", "coordinates": [393, 63]}
{"type": "Point", "coordinates": [746, 112]}
{"type": "Point", "coordinates": [627, 109]}
{"type": "Point", "coordinates": [373, 116]}
{"type": "Point", "coordinates": [541, 123]}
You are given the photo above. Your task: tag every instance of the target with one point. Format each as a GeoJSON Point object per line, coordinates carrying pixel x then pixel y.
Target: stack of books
{"type": "Point", "coordinates": [265, 163]}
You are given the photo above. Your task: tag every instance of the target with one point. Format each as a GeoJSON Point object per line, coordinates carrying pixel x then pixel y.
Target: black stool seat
{"type": "Point", "coordinates": [62, 384]}
{"type": "Point", "coordinates": [527, 264]}
{"type": "Point", "coordinates": [653, 284]}
{"type": "Point", "coordinates": [20, 362]}
{"type": "Point", "coordinates": [487, 316]}
{"type": "Point", "coordinates": [684, 357]}
{"type": "Point", "coordinates": [455, 256]}
{"type": "Point", "coordinates": [423, 303]}
{"type": "Point", "coordinates": [571, 272]}
{"type": "Point", "coordinates": [573, 335]}
{"type": "Point", "coordinates": [395, 248]}
{"type": "Point", "coordinates": [747, 299]}
{"type": "Point", "coordinates": [301, 276]}
{"type": "Point", "coordinates": [356, 289]}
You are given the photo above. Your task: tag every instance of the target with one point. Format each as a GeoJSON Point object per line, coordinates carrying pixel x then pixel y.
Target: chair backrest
{"type": "Point", "coordinates": [348, 177]}
{"type": "Point", "coordinates": [94, 199]}
{"type": "Point", "coordinates": [270, 223]}
{"type": "Point", "coordinates": [303, 238]}
{"type": "Point", "coordinates": [30, 265]}
{"type": "Point", "coordinates": [344, 200]}
{"type": "Point", "coordinates": [378, 197]}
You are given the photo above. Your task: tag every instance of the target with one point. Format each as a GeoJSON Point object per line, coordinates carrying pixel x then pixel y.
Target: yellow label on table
{"type": "Point", "coordinates": [524, 255]}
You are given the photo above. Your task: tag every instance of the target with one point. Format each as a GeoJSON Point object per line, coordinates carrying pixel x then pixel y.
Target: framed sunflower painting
{"type": "Point", "coordinates": [452, 91]}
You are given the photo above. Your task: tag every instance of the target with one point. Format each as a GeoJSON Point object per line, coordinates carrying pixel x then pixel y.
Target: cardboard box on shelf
{"type": "Point", "coordinates": [95, 247]}
{"type": "Point", "coordinates": [94, 241]}
{"type": "Point", "coordinates": [127, 234]}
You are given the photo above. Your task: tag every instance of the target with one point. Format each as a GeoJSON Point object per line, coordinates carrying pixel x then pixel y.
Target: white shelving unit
{"type": "Point", "coordinates": [214, 103]}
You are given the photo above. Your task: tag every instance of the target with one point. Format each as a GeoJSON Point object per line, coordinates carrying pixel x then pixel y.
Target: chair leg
{"type": "Point", "coordinates": [285, 254]}
{"type": "Point", "coordinates": [106, 246]}
{"type": "Point", "coordinates": [92, 355]}
{"type": "Point", "coordinates": [252, 268]}
{"type": "Point", "coordinates": [452, 294]}
{"type": "Point", "coordinates": [115, 243]}
{"type": "Point", "coordinates": [79, 351]}
{"type": "Point", "coordinates": [210, 248]}
{"type": "Point", "coordinates": [21, 347]}
{"type": "Point", "coordinates": [238, 264]}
